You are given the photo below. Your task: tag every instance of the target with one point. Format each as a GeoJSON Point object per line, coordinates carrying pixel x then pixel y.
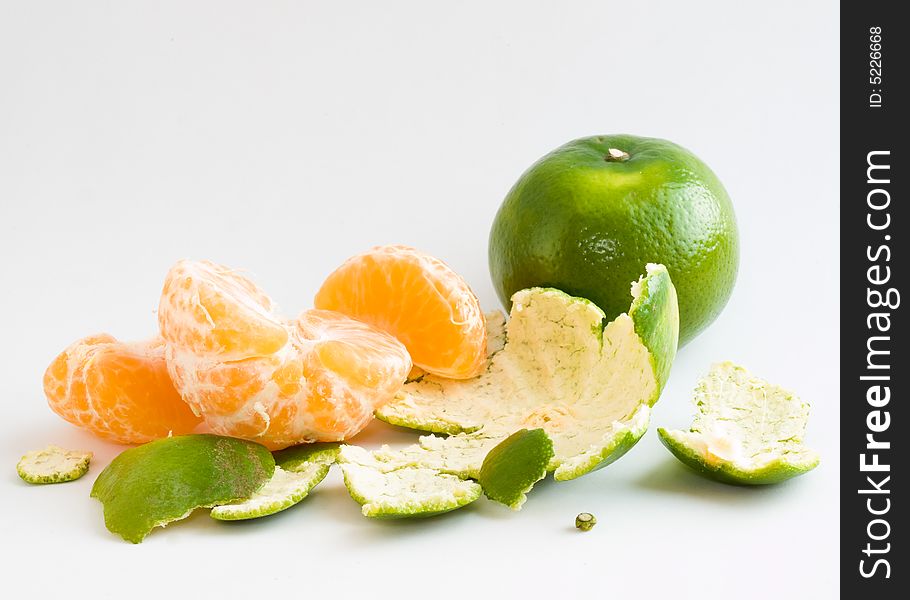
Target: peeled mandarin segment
{"type": "Point", "coordinates": [119, 391]}
{"type": "Point", "coordinates": [342, 358]}
{"type": "Point", "coordinates": [219, 388]}
{"type": "Point", "coordinates": [64, 380]}
{"type": "Point", "coordinates": [354, 369]}
{"type": "Point", "coordinates": [357, 352]}
{"type": "Point", "coordinates": [206, 308]}
{"type": "Point", "coordinates": [348, 370]}
{"type": "Point", "coordinates": [419, 300]}
{"type": "Point", "coordinates": [137, 376]}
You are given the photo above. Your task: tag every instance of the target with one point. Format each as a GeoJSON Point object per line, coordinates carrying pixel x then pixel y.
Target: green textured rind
{"type": "Point", "coordinates": [587, 225]}
{"type": "Point", "coordinates": [514, 465]}
{"type": "Point", "coordinates": [655, 312]}
{"type": "Point", "coordinates": [296, 457]}
{"type": "Point", "coordinates": [619, 445]}
{"type": "Point", "coordinates": [374, 509]}
{"type": "Point", "coordinates": [775, 471]}
{"type": "Point", "coordinates": [78, 467]}
{"type": "Point", "coordinates": [267, 502]}
{"type": "Point", "coordinates": [163, 481]}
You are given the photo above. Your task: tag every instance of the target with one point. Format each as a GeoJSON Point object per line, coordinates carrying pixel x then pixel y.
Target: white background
{"type": "Point", "coordinates": [282, 137]}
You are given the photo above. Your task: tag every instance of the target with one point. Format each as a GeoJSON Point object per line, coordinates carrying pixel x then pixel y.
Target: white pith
{"type": "Point", "coordinates": [552, 370]}
{"type": "Point", "coordinates": [746, 422]}
{"type": "Point", "coordinates": [552, 366]}
{"type": "Point", "coordinates": [53, 464]}
{"type": "Point", "coordinates": [407, 491]}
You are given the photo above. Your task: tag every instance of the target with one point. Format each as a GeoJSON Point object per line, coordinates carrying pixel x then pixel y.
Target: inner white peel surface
{"type": "Point", "coordinates": [551, 367]}
{"type": "Point", "coordinates": [745, 421]}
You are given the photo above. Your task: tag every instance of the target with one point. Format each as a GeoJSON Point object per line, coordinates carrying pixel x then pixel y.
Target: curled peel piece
{"type": "Point", "coordinates": [283, 490]}
{"type": "Point", "coordinates": [165, 480]}
{"type": "Point", "coordinates": [298, 470]}
{"type": "Point", "coordinates": [301, 457]}
{"type": "Point", "coordinates": [746, 431]}
{"type": "Point", "coordinates": [555, 366]}
{"type": "Point", "coordinates": [53, 465]}
{"type": "Point", "coordinates": [512, 468]}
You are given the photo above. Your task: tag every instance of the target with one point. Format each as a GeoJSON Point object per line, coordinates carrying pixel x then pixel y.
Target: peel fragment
{"type": "Point", "coordinates": [746, 431]}
{"type": "Point", "coordinates": [298, 470]}
{"type": "Point", "coordinates": [300, 457]}
{"type": "Point", "coordinates": [53, 465]}
{"type": "Point", "coordinates": [512, 468]}
{"type": "Point", "coordinates": [282, 491]}
{"type": "Point", "coordinates": [395, 489]}
{"type": "Point", "coordinates": [556, 366]}
{"type": "Point", "coordinates": [553, 367]}
{"type": "Point", "coordinates": [164, 481]}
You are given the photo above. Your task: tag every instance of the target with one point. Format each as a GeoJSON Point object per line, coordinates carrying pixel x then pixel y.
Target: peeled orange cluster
{"type": "Point", "coordinates": [226, 357]}
{"type": "Point", "coordinates": [253, 375]}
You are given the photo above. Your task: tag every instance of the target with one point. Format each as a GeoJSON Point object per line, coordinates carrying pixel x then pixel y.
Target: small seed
{"type": "Point", "coordinates": [585, 521]}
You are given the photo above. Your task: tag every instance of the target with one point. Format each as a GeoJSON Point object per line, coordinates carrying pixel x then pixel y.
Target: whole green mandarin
{"type": "Point", "coordinates": [590, 215]}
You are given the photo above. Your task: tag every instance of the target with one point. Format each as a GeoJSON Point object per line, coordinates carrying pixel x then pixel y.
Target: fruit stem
{"type": "Point", "coordinates": [616, 155]}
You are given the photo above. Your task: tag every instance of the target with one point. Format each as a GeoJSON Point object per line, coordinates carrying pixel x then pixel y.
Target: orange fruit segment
{"type": "Point", "coordinates": [118, 391]}
{"type": "Point", "coordinates": [210, 309]}
{"type": "Point", "coordinates": [416, 298]}
{"type": "Point", "coordinates": [322, 382]}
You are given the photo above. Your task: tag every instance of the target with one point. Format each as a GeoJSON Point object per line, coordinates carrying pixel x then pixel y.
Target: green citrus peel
{"type": "Point", "coordinates": [512, 468]}
{"type": "Point", "coordinates": [395, 489]}
{"type": "Point", "coordinates": [580, 389]}
{"type": "Point", "coordinates": [554, 366]}
{"type": "Point", "coordinates": [298, 470]}
{"type": "Point", "coordinates": [53, 465]}
{"type": "Point", "coordinates": [283, 490]}
{"type": "Point", "coordinates": [302, 456]}
{"type": "Point", "coordinates": [746, 431]}
{"type": "Point", "coordinates": [164, 481]}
